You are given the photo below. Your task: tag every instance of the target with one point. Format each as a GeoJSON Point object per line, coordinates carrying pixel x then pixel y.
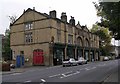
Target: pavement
{"type": "Point", "coordinates": [112, 78]}
{"type": "Point", "coordinates": [23, 69]}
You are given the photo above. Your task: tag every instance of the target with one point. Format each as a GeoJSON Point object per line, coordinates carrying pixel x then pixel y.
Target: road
{"type": "Point", "coordinates": [91, 72]}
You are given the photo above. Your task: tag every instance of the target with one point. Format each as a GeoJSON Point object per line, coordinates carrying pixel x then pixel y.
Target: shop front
{"type": "Point", "coordinates": [58, 54]}
{"type": "Point", "coordinates": [86, 54]}
{"type": "Point", "coordinates": [92, 55]}
{"type": "Point", "coordinates": [70, 51]}
{"type": "Point", "coordinates": [79, 52]}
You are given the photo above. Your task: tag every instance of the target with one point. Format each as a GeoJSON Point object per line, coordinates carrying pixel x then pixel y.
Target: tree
{"type": "Point", "coordinates": [6, 48]}
{"type": "Point", "coordinates": [12, 19]}
{"type": "Point", "coordinates": [110, 16]}
{"type": "Point", "coordinates": [105, 38]}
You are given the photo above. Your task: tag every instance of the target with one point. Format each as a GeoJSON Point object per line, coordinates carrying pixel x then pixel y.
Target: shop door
{"type": "Point", "coordinates": [86, 55]}
{"type": "Point", "coordinates": [58, 56]}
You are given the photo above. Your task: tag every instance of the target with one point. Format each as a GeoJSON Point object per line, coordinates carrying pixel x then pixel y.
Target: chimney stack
{"type": "Point", "coordinates": [63, 17]}
{"type": "Point", "coordinates": [33, 8]}
{"type": "Point", "coordinates": [72, 21]}
{"type": "Point", "coordinates": [52, 14]}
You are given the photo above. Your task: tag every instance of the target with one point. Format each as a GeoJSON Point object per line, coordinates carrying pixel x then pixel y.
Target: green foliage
{"type": "Point", "coordinates": [110, 16]}
{"type": "Point", "coordinates": [105, 38]}
{"type": "Point", "coordinates": [6, 48]}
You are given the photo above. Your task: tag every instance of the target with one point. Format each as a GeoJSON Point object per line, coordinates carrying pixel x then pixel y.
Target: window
{"type": "Point", "coordinates": [28, 25]}
{"type": "Point", "coordinates": [79, 41]}
{"type": "Point", "coordinates": [28, 37]}
{"type": "Point", "coordinates": [86, 43]}
{"type": "Point", "coordinates": [70, 39]}
{"type": "Point", "coordinates": [59, 35]}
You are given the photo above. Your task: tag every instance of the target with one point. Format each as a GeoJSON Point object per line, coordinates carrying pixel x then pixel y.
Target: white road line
{"type": "Point", "coordinates": [81, 69]}
{"type": "Point", "coordinates": [43, 80]}
{"type": "Point", "coordinates": [63, 75]}
{"type": "Point", "coordinates": [77, 72]}
{"type": "Point", "coordinates": [93, 67]}
{"type": "Point", "coordinates": [102, 65]}
{"type": "Point", "coordinates": [90, 68]}
{"type": "Point", "coordinates": [87, 69]}
{"type": "Point", "coordinates": [54, 75]}
{"type": "Point", "coordinates": [16, 74]}
{"type": "Point", "coordinates": [27, 81]}
{"type": "Point", "coordinates": [60, 74]}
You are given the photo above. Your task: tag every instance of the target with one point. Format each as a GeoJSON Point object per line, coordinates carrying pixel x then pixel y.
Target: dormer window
{"type": "Point", "coordinates": [28, 25]}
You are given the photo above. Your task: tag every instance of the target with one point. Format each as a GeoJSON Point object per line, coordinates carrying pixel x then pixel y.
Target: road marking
{"type": "Point", "coordinates": [60, 74]}
{"type": "Point", "coordinates": [87, 69]}
{"type": "Point", "coordinates": [90, 68]}
{"type": "Point", "coordinates": [77, 72]}
{"type": "Point", "coordinates": [27, 81]}
{"type": "Point", "coordinates": [43, 80]}
{"type": "Point", "coordinates": [16, 73]}
{"type": "Point", "coordinates": [102, 65]}
{"type": "Point", "coordinates": [54, 75]}
{"type": "Point", "coordinates": [81, 69]}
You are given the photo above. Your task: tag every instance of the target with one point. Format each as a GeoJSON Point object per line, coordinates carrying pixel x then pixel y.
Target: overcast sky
{"type": "Point", "coordinates": [82, 10]}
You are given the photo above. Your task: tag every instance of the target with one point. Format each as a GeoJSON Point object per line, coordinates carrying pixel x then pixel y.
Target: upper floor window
{"type": "Point", "coordinates": [59, 35]}
{"type": "Point", "coordinates": [79, 41]}
{"type": "Point", "coordinates": [86, 43]}
{"type": "Point", "coordinates": [28, 25]}
{"type": "Point", "coordinates": [70, 39]}
{"type": "Point", "coordinates": [28, 37]}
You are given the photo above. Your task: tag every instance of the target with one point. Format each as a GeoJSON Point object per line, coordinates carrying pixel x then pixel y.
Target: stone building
{"type": "Point", "coordinates": [55, 39]}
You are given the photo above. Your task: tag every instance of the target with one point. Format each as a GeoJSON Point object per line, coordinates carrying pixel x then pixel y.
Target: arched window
{"type": "Point", "coordinates": [86, 43]}
{"type": "Point", "coordinates": [79, 41]}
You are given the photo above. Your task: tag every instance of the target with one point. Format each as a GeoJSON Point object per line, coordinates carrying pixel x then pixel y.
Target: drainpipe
{"type": "Point", "coordinates": [65, 40]}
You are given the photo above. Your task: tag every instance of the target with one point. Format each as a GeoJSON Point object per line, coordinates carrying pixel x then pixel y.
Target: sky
{"type": "Point", "coordinates": [82, 10]}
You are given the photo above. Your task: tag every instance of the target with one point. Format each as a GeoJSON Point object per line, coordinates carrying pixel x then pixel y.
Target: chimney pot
{"type": "Point", "coordinates": [64, 17]}
{"type": "Point", "coordinates": [52, 14]}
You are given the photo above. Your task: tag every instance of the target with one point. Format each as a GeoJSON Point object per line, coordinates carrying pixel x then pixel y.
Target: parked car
{"type": "Point", "coordinates": [69, 62]}
{"type": "Point", "coordinates": [81, 60]}
{"type": "Point", "coordinates": [105, 58]}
